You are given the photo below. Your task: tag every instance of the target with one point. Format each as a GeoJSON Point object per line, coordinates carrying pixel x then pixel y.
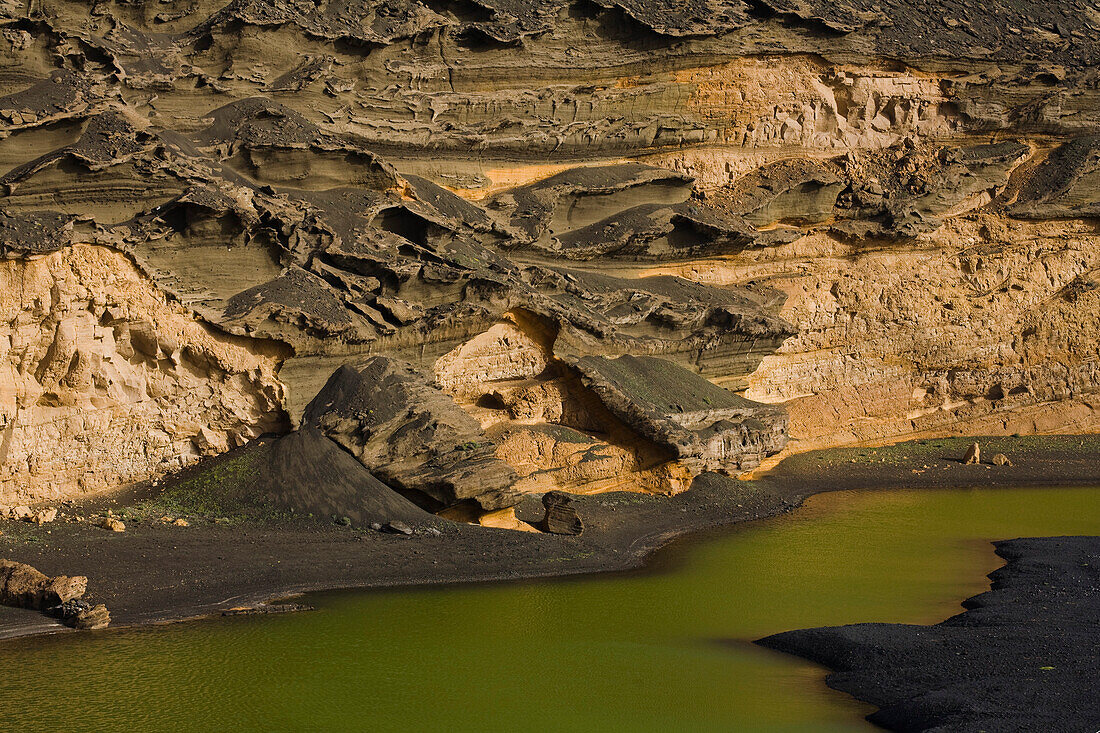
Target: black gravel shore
{"type": "Point", "coordinates": [155, 572]}
{"type": "Point", "coordinates": [1025, 656]}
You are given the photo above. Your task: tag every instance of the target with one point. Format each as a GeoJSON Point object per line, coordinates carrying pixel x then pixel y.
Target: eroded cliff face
{"type": "Point", "coordinates": [868, 220]}
{"type": "Point", "coordinates": [982, 327]}
{"type": "Point", "coordinates": [971, 331]}
{"type": "Point", "coordinates": [593, 424]}
{"type": "Point", "coordinates": [103, 381]}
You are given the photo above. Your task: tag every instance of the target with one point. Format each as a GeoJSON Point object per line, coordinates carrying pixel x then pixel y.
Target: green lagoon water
{"type": "Point", "coordinates": [625, 652]}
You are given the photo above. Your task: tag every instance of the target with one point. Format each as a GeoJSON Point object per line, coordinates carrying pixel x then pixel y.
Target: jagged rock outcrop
{"type": "Point", "coordinates": [598, 428]}
{"type": "Point", "coordinates": [349, 268]}
{"type": "Point", "coordinates": [707, 427]}
{"type": "Point", "coordinates": [879, 214]}
{"type": "Point", "coordinates": [80, 614]}
{"type": "Point", "coordinates": [410, 435]}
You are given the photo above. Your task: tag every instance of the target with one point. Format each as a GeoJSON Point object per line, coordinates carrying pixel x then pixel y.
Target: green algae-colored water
{"type": "Point", "coordinates": [634, 652]}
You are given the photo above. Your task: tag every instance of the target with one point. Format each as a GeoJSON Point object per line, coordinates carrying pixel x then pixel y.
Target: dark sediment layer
{"type": "Point", "coordinates": [306, 473]}
{"type": "Point", "coordinates": [1023, 657]}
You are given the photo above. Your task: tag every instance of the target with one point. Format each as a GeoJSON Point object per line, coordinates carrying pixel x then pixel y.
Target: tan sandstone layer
{"type": "Point", "coordinates": [984, 327]}
{"type": "Point", "coordinates": [104, 381]}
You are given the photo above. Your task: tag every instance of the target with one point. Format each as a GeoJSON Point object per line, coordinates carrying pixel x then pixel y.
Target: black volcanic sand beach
{"type": "Point", "coordinates": [245, 546]}
{"type": "Point", "coordinates": [1024, 657]}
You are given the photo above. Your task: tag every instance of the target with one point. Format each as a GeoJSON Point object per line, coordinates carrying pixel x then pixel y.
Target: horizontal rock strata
{"type": "Point", "coordinates": [877, 215]}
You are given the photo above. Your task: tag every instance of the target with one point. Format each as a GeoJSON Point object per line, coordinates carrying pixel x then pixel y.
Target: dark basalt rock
{"type": "Point", "coordinates": [1021, 658]}
{"type": "Point", "coordinates": [456, 210]}
{"type": "Point", "coordinates": [37, 233]}
{"type": "Point", "coordinates": [505, 21]}
{"type": "Point", "coordinates": [296, 301]}
{"type": "Point", "coordinates": [708, 428]}
{"type": "Point", "coordinates": [81, 615]}
{"type": "Point", "coordinates": [64, 94]}
{"type": "Point", "coordinates": [107, 139]}
{"type": "Point", "coordinates": [887, 27]}
{"type": "Point", "coordinates": [411, 435]}
{"type": "Point", "coordinates": [561, 516]}
{"type": "Point", "coordinates": [1066, 184]}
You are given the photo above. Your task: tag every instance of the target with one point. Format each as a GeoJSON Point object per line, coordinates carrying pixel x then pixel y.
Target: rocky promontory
{"type": "Point", "coordinates": [1022, 657]}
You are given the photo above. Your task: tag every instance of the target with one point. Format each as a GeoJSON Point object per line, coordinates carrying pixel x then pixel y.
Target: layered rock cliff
{"type": "Point", "coordinates": [877, 218]}
{"type": "Point", "coordinates": [103, 381]}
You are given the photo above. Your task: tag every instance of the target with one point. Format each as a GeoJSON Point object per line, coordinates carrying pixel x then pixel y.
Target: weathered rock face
{"type": "Point", "coordinates": [982, 327]}
{"type": "Point", "coordinates": [411, 435]}
{"type": "Point", "coordinates": [708, 428]}
{"type": "Point", "coordinates": [591, 424]}
{"type": "Point", "coordinates": [879, 214]}
{"type": "Point", "coordinates": [104, 381]}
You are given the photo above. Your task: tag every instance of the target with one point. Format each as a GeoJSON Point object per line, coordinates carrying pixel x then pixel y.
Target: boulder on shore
{"type": "Point", "coordinates": [21, 585]}
{"type": "Point", "coordinates": [561, 516]}
{"type": "Point", "coordinates": [81, 614]}
{"type": "Point", "coordinates": [25, 587]}
{"type": "Point", "coordinates": [411, 435]}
